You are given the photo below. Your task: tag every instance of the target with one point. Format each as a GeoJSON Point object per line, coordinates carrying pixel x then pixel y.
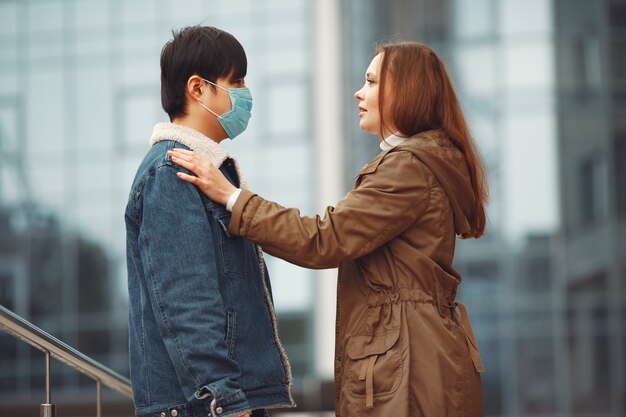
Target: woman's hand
{"type": "Point", "coordinates": [208, 179]}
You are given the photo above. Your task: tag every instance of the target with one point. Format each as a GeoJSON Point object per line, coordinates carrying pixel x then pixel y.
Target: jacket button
{"type": "Point", "coordinates": [162, 414]}
{"type": "Point", "coordinates": [174, 413]}
{"type": "Point", "coordinates": [219, 410]}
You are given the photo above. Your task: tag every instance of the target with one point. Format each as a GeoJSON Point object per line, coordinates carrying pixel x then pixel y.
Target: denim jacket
{"type": "Point", "coordinates": [203, 334]}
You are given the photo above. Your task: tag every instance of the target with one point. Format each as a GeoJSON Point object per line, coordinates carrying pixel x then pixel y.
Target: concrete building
{"type": "Point", "coordinates": [591, 104]}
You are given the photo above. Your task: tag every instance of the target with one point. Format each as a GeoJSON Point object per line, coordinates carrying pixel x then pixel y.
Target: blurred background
{"type": "Point", "coordinates": [543, 86]}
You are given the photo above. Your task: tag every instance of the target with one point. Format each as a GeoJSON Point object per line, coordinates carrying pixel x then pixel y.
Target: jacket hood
{"type": "Point", "coordinates": [435, 150]}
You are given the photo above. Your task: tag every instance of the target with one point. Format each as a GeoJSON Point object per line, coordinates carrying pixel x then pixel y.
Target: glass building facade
{"type": "Point", "coordinates": [79, 94]}
{"type": "Point", "coordinates": [542, 84]}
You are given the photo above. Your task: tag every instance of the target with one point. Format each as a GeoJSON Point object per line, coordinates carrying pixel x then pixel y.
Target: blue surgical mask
{"type": "Point", "coordinates": [236, 119]}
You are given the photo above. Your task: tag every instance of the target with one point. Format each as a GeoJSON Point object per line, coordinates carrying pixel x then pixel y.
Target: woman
{"type": "Point", "coordinates": [404, 346]}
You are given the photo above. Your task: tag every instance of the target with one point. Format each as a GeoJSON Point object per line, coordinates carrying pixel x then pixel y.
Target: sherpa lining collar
{"type": "Point", "coordinates": [197, 142]}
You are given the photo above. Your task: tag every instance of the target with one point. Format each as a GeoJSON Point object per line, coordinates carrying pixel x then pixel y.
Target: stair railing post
{"type": "Point", "coordinates": [47, 409]}
{"type": "Point", "coordinates": [99, 398]}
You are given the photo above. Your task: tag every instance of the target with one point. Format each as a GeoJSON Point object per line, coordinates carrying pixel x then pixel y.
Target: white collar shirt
{"type": "Point", "coordinates": [391, 142]}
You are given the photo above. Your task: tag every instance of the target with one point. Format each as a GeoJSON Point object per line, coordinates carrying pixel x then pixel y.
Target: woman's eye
{"type": "Point", "coordinates": [369, 81]}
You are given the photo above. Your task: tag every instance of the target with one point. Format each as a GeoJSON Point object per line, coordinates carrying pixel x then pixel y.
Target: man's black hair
{"type": "Point", "coordinates": [206, 51]}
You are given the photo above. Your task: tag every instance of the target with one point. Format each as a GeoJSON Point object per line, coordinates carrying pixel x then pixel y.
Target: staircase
{"type": "Point", "coordinates": [52, 348]}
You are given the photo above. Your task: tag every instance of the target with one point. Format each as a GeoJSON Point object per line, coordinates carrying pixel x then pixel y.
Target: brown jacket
{"type": "Point", "coordinates": [402, 348]}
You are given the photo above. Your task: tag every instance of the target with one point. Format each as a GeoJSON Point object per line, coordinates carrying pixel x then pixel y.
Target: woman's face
{"type": "Point", "coordinates": [367, 96]}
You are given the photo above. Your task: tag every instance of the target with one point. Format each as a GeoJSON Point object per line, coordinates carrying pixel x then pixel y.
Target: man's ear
{"type": "Point", "coordinates": [195, 87]}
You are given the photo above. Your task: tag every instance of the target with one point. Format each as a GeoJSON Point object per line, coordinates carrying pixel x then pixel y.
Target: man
{"type": "Point", "coordinates": [203, 335]}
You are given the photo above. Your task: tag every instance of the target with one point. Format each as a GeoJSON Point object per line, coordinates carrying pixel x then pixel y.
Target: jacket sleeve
{"type": "Point", "coordinates": [389, 196]}
{"type": "Point", "coordinates": [178, 256]}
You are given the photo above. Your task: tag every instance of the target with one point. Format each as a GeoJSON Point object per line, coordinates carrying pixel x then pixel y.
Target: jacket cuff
{"type": "Point", "coordinates": [233, 405]}
{"type": "Point", "coordinates": [234, 228]}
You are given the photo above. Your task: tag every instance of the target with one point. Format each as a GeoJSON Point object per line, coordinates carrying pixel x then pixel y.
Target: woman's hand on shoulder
{"type": "Point", "coordinates": [208, 178]}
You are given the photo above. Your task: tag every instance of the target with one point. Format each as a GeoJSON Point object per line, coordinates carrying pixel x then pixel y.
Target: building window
{"type": "Point", "coordinates": [484, 269]}
{"type": "Point", "coordinates": [593, 189]}
{"type": "Point", "coordinates": [618, 65]}
{"type": "Point", "coordinates": [619, 179]}
{"type": "Point", "coordinates": [539, 273]}
{"type": "Point", "coordinates": [617, 14]}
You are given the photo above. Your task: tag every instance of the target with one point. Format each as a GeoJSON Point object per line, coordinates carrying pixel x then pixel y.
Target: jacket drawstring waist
{"type": "Point", "coordinates": [400, 295]}
{"type": "Point", "coordinates": [417, 295]}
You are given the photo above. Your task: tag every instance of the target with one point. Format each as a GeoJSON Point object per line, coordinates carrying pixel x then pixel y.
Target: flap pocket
{"type": "Point", "coordinates": [374, 369]}
{"type": "Point", "coordinates": [224, 221]}
{"type": "Point", "coordinates": [236, 252]}
{"type": "Point", "coordinates": [361, 346]}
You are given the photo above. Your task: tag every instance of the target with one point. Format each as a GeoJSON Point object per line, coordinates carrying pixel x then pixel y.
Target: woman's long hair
{"type": "Point", "coordinates": [423, 99]}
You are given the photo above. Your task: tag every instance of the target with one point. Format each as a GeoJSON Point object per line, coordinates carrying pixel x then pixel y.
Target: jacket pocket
{"type": "Point", "coordinates": [234, 252]}
{"type": "Point", "coordinates": [374, 365]}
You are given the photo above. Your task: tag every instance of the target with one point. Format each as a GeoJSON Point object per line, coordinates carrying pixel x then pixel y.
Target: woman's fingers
{"type": "Point", "coordinates": [180, 155]}
{"type": "Point", "coordinates": [185, 164]}
{"type": "Point", "coordinates": [183, 156]}
{"type": "Point", "coordinates": [190, 160]}
{"type": "Point", "coordinates": [208, 178]}
{"type": "Point", "coordinates": [181, 151]}
{"type": "Point", "coordinates": [187, 177]}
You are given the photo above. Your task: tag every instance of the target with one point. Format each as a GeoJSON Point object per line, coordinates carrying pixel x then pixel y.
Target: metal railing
{"type": "Point", "coordinates": [25, 331]}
